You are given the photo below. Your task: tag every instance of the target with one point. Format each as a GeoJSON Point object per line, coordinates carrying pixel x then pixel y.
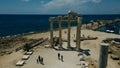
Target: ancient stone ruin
{"type": "Point", "coordinates": [71, 17]}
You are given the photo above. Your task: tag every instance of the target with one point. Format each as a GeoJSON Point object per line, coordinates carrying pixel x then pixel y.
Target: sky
{"type": "Point", "coordinates": [59, 6]}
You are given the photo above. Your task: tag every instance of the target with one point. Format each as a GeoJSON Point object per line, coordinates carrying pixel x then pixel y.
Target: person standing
{"type": "Point", "coordinates": [62, 58]}
{"type": "Point", "coordinates": [37, 61]}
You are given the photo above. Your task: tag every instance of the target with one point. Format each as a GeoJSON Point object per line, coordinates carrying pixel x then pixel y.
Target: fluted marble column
{"type": "Point", "coordinates": [78, 41]}
{"type": "Point", "coordinates": [51, 31]}
{"type": "Point", "coordinates": [69, 23]}
{"type": "Point", "coordinates": [60, 31]}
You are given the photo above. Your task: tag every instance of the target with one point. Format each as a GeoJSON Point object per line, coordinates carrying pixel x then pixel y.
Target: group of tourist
{"type": "Point", "coordinates": [40, 60]}
{"type": "Point", "coordinates": [60, 57]}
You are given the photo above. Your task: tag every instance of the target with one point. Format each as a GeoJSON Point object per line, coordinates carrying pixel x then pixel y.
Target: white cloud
{"type": "Point", "coordinates": [26, 0]}
{"type": "Point", "coordinates": [60, 3]}
{"type": "Point", "coordinates": [42, 2]}
{"type": "Point", "coordinates": [96, 1]}
{"type": "Point", "coordinates": [65, 5]}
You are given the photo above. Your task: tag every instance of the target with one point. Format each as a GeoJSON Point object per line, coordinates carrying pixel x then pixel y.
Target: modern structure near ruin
{"type": "Point", "coordinates": [71, 17]}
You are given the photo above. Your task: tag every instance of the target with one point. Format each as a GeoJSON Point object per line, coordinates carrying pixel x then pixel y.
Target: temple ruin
{"type": "Point", "coordinates": [71, 17]}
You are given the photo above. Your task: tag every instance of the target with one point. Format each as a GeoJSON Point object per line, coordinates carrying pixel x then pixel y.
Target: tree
{"type": "Point", "coordinates": [26, 47]}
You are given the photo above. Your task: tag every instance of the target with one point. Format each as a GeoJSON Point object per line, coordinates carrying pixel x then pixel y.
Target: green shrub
{"type": "Point", "coordinates": [26, 47]}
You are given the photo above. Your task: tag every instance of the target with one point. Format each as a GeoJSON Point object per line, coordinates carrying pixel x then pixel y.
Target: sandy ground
{"type": "Point", "coordinates": [50, 55]}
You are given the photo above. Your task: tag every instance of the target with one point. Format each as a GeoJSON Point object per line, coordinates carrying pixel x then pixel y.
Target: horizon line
{"type": "Point", "coordinates": [52, 14]}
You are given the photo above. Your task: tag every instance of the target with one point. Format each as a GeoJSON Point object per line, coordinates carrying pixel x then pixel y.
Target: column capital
{"type": "Point", "coordinates": [59, 17]}
{"type": "Point", "coordinates": [51, 19]}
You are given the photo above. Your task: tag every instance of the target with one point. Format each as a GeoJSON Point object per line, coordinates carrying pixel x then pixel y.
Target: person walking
{"type": "Point", "coordinates": [39, 59]}
{"type": "Point", "coordinates": [42, 61]}
{"type": "Point", "coordinates": [59, 56]}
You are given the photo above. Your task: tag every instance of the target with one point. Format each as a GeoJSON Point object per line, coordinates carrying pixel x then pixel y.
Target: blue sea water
{"type": "Point", "coordinates": [19, 24]}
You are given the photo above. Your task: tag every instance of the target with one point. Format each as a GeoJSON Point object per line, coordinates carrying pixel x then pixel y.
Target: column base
{"type": "Point", "coordinates": [79, 49]}
{"type": "Point", "coordinates": [69, 48]}
{"type": "Point", "coordinates": [52, 47]}
{"type": "Point", "coordinates": [49, 46]}
{"type": "Point", "coordinates": [60, 48]}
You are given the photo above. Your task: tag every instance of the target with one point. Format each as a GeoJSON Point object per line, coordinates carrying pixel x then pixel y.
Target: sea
{"type": "Point", "coordinates": [15, 24]}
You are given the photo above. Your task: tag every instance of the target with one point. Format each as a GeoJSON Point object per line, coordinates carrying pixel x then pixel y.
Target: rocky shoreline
{"type": "Point", "coordinates": [8, 45]}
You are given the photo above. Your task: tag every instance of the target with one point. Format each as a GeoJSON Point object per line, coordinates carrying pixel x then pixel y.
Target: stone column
{"type": "Point", "coordinates": [103, 55]}
{"type": "Point", "coordinates": [60, 30]}
{"type": "Point", "coordinates": [69, 23]}
{"type": "Point", "coordinates": [78, 33]}
{"type": "Point", "coordinates": [76, 36]}
{"type": "Point", "coordinates": [51, 32]}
